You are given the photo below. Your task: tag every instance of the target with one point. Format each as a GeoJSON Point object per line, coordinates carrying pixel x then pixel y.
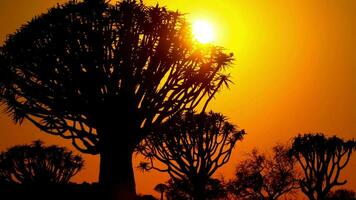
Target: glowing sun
{"type": "Point", "coordinates": [203, 31]}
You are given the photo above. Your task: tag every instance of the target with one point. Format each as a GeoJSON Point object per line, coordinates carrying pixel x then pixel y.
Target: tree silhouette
{"type": "Point", "coordinates": [37, 164]}
{"type": "Point", "coordinates": [181, 189]}
{"type": "Point", "coordinates": [321, 159]}
{"type": "Point", "coordinates": [161, 188]}
{"type": "Point", "coordinates": [191, 146]}
{"type": "Point", "coordinates": [262, 177]}
{"type": "Point", "coordinates": [341, 194]}
{"type": "Point", "coordinates": [105, 76]}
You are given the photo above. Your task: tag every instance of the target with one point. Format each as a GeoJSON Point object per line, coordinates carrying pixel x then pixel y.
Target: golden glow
{"type": "Point", "coordinates": [294, 73]}
{"type": "Point", "coordinates": [203, 31]}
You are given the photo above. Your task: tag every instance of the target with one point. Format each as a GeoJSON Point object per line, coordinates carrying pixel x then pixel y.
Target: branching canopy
{"type": "Point", "coordinates": [191, 145]}
{"type": "Point", "coordinates": [321, 159]}
{"type": "Point", "coordinates": [84, 65]}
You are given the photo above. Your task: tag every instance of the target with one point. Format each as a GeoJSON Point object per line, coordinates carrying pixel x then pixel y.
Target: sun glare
{"type": "Point", "coordinates": [203, 31]}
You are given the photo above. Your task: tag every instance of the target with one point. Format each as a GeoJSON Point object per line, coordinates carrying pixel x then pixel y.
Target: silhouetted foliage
{"type": "Point", "coordinates": [321, 159]}
{"type": "Point", "coordinates": [341, 194]}
{"type": "Point", "coordinates": [105, 76]}
{"type": "Point", "coordinates": [37, 164]}
{"type": "Point", "coordinates": [191, 146]}
{"type": "Point", "coordinates": [263, 177]}
{"type": "Point", "coordinates": [182, 189]}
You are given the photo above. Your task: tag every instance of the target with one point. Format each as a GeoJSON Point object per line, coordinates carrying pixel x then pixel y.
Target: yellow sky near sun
{"type": "Point", "coordinates": [294, 72]}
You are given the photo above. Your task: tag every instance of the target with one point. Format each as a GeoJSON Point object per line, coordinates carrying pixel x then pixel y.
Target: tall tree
{"type": "Point", "coordinates": [321, 159]}
{"type": "Point", "coordinates": [191, 147]}
{"type": "Point", "coordinates": [264, 177]}
{"type": "Point", "coordinates": [105, 76]}
{"type": "Point", "coordinates": [38, 164]}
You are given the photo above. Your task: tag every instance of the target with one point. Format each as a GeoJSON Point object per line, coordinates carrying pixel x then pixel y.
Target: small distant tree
{"type": "Point", "coordinates": [38, 164]}
{"type": "Point", "coordinates": [161, 188]}
{"type": "Point", "coordinates": [191, 147]}
{"type": "Point", "coordinates": [264, 177]}
{"type": "Point", "coordinates": [341, 194]}
{"type": "Point", "coordinates": [321, 159]}
{"type": "Point", "coordinates": [105, 75]}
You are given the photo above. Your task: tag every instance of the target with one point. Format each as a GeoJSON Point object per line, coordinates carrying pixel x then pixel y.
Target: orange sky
{"type": "Point", "coordinates": [295, 72]}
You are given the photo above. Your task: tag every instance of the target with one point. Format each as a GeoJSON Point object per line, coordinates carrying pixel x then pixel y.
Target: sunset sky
{"type": "Point", "coordinates": [294, 72]}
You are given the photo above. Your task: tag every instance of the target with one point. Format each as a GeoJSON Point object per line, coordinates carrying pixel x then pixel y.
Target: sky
{"type": "Point", "coordinates": [294, 72]}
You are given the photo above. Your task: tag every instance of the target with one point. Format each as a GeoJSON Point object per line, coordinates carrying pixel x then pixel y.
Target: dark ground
{"type": "Point", "coordinates": [56, 192]}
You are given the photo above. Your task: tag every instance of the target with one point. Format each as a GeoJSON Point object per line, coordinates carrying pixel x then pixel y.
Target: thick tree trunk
{"type": "Point", "coordinates": [118, 137]}
{"type": "Point", "coordinates": [116, 173]}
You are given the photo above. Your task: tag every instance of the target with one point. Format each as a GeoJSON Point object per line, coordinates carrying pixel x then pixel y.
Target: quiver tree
{"type": "Point", "coordinates": [104, 76]}
{"type": "Point", "coordinates": [264, 177]}
{"type": "Point", "coordinates": [38, 164]}
{"type": "Point", "coordinates": [321, 159]}
{"type": "Point", "coordinates": [191, 147]}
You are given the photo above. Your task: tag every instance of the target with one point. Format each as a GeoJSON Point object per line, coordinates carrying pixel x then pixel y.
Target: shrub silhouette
{"type": "Point", "coordinates": [192, 147]}
{"type": "Point", "coordinates": [321, 159]}
{"type": "Point", "coordinates": [341, 194]}
{"type": "Point", "coordinates": [263, 177]}
{"type": "Point", "coordinates": [37, 164]}
{"type": "Point", "coordinates": [181, 189]}
{"type": "Point", "coordinates": [105, 76]}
